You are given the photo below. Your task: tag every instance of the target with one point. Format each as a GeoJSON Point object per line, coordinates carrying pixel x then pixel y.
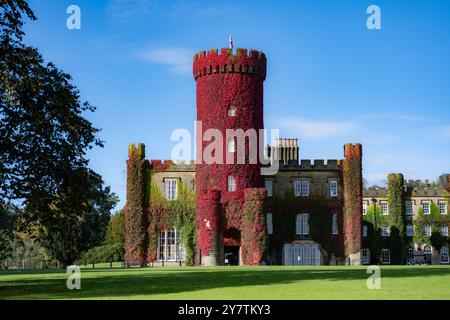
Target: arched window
{"type": "Point", "coordinates": [298, 254]}
{"type": "Point", "coordinates": [315, 255]}
{"type": "Point", "coordinates": [288, 254]}
{"type": "Point", "coordinates": [307, 255]}
{"type": "Point", "coordinates": [444, 254]}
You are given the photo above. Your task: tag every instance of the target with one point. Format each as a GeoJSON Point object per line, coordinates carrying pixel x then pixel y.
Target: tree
{"type": "Point", "coordinates": [115, 232]}
{"type": "Point", "coordinates": [79, 217]}
{"type": "Point", "coordinates": [396, 202]}
{"type": "Point", "coordinates": [44, 138]}
{"type": "Point", "coordinates": [6, 234]}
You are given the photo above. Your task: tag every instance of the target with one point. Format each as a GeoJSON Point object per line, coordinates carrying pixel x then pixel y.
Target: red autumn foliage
{"type": "Point", "coordinates": [227, 81]}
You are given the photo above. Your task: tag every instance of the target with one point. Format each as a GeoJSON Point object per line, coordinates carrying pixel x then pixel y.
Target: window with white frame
{"type": "Point", "coordinates": [442, 207]}
{"type": "Point", "coordinates": [269, 187]}
{"type": "Point", "coordinates": [410, 230]}
{"type": "Point", "coordinates": [365, 256]}
{"type": "Point", "coordinates": [334, 224]}
{"type": "Point", "coordinates": [384, 208]}
{"type": "Point", "coordinates": [427, 230]}
{"type": "Point", "coordinates": [301, 188]}
{"type": "Point", "coordinates": [307, 259]}
{"type": "Point", "coordinates": [305, 188]}
{"type": "Point", "coordinates": [426, 207]}
{"type": "Point", "coordinates": [385, 232]}
{"type": "Point", "coordinates": [444, 230]}
{"type": "Point", "coordinates": [364, 208]}
{"type": "Point", "coordinates": [269, 223]}
{"type": "Point", "coordinates": [170, 247]}
{"type": "Point", "coordinates": [231, 184]}
{"type": "Point", "coordinates": [170, 186]}
{"type": "Point", "coordinates": [444, 254]}
{"type": "Point", "coordinates": [231, 146]}
{"type": "Point", "coordinates": [385, 256]}
{"type": "Point", "coordinates": [297, 188]}
{"type": "Point", "coordinates": [409, 208]}
{"type": "Point", "coordinates": [288, 255]}
{"type": "Point", "coordinates": [302, 224]}
{"type": "Point", "coordinates": [333, 188]}
{"type": "Point", "coordinates": [231, 111]}
{"type": "Point", "coordinates": [364, 231]}
{"type": "Point", "coordinates": [301, 254]}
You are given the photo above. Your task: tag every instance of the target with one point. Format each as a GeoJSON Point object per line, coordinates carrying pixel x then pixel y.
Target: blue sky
{"type": "Point", "coordinates": [330, 80]}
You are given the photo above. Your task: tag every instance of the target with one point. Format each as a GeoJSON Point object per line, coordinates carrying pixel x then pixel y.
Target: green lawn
{"type": "Point", "coordinates": [398, 282]}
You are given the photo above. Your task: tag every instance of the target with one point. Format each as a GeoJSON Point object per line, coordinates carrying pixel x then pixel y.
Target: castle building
{"type": "Point", "coordinates": [308, 212]}
{"type": "Point", "coordinates": [423, 209]}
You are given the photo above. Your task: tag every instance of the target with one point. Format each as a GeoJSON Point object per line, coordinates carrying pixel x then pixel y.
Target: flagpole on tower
{"type": "Point", "coordinates": [231, 41]}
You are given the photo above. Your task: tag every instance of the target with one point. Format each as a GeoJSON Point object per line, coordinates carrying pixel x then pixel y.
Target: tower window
{"type": "Point", "coordinates": [231, 146]}
{"type": "Point", "coordinates": [231, 184]}
{"type": "Point", "coordinates": [231, 111]}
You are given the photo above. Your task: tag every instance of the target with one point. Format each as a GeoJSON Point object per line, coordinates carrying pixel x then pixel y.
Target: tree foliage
{"type": "Point", "coordinates": [115, 232]}
{"type": "Point", "coordinates": [44, 138]}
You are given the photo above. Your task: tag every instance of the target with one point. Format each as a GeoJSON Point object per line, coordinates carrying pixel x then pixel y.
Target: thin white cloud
{"type": "Point", "coordinates": [179, 60]}
{"type": "Point", "coordinates": [313, 129]}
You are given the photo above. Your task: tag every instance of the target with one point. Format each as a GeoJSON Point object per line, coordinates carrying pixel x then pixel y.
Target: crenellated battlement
{"type": "Point", "coordinates": [353, 150]}
{"type": "Point", "coordinates": [211, 62]}
{"type": "Point", "coordinates": [169, 165]}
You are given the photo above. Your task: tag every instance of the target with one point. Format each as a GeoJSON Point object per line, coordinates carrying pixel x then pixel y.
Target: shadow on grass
{"type": "Point", "coordinates": [110, 283]}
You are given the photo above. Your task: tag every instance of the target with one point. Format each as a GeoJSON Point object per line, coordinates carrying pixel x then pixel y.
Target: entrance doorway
{"type": "Point", "coordinates": [231, 255]}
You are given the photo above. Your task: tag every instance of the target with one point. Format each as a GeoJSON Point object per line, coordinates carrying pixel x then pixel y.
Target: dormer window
{"type": "Point", "coordinates": [231, 111]}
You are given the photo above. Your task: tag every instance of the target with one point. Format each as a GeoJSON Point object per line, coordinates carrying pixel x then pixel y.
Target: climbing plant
{"type": "Point", "coordinates": [396, 204]}
{"type": "Point", "coordinates": [435, 219]}
{"type": "Point", "coordinates": [164, 214]}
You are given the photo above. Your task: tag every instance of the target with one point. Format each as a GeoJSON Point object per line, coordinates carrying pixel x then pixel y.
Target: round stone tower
{"type": "Point", "coordinates": [229, 96]}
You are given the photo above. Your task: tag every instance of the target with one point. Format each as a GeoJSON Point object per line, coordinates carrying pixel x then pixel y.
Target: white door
{"type": "Point", "coordinates": [307, 255]}
{"type": "Point", "coordinates": [288, 255]}
{"type": "Point", "coordinates": [298, 254]}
